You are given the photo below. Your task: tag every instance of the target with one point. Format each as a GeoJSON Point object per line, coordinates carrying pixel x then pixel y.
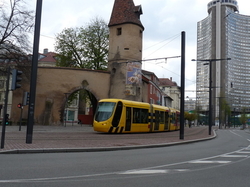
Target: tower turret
{"type": "Point", "coordinates": [125, 50]}
{"type": "Point", "coordinates": [126, 29]}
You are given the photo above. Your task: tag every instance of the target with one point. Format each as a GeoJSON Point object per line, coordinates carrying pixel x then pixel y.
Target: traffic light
{"type": "Point", "coordinates": [16, 79]}
{"type": "Point", "coordinates": [6, 119]}
{"type": "Point", "coordinates": [26, 98]}
{"type": "Point", "coordinates": [19, 105]}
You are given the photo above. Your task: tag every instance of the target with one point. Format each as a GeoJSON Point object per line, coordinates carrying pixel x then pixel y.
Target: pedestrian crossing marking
{"type": "Point", "coordinates": [209, 162]}
{"type": "Point", "coordinates": [244, 152]}
{"type": "Point", "coordinates": [144, 172]}
{"type": "Point", "coordinates": [181, 170]}
{"type": "Point", "coordinates": [152, 171]}
{"type": "Point", "coordinates": [234, 156]}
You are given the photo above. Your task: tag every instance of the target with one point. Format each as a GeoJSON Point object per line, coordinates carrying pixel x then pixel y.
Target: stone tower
{"type": "Point", "coordinates": [125, 51]}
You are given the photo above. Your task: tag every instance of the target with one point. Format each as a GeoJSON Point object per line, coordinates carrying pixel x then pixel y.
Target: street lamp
{"type": "Point", "coordinates": [209, 62]}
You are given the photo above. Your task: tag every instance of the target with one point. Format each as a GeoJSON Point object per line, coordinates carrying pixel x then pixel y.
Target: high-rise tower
{"type": "Point", "coordinates": [125, 50]}
{"type": "Point", "coordinates": [224, 34]}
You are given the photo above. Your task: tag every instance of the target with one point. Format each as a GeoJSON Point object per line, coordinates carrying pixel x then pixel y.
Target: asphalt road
{"type": "Point", "coordinates": [223, 161]}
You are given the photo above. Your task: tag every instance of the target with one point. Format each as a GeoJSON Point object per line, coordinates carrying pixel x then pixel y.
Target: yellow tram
{"type": "Point", "coordinates": [124, 116]}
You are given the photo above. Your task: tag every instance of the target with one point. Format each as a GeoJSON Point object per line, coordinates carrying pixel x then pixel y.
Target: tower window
{"type": "Point", "coordinates": [119, 31]}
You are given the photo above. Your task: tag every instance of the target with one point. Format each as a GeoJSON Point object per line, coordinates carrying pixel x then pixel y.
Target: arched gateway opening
{"type": "Point", "coordinates": [79, 107]}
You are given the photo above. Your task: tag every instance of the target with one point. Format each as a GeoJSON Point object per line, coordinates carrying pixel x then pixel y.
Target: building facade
{"type": "Point", "coordinates": [172, 92]}
{"type": "Point", "coordinates": [154, 93]}
{"type": "Point", "coordinates": [223, 34]}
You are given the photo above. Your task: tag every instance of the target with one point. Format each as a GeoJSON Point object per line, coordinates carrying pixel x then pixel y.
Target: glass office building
{"type": "Point", "coordinates": [223, 34]}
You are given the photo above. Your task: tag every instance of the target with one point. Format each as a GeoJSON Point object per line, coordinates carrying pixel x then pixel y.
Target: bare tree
{"type": "Point", "coordinates": [15, 24]}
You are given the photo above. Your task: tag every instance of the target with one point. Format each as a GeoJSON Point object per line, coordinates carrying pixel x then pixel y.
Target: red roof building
{"type": "Point", "coordinates": [47, 58]}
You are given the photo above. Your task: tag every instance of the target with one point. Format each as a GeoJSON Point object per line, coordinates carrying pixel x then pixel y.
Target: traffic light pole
{"type": "Point", "coordinates": [5, 108]}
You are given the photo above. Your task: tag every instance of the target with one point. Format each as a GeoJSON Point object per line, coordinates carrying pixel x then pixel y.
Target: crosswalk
{"type": "Point", "coordinates": [193, 165]}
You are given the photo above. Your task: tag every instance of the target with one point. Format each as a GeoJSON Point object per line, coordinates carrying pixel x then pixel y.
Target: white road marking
{"type": "Point", "coordinates": [243, 152]}
{"type": "Point", "coordinates": [209, 162]}
{"type": "Point", "coordinates": [234, 156]}
{"type": "Point", "coordinates": [235, 133]}
{"type": "Point", "coordinates": [144, 172]}
{"type": "Point", "coordinates": [182, 170]}
{"type": "Point", "coordinates": [153, 171]}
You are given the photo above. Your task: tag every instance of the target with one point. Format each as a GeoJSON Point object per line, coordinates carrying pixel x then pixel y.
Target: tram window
{"type": "Point", "coordinates": [166, 126]}
{"type": "Point", "coordinates": [173, 118]}
{"type": "Point", "coordinates": [157, 116]}
{"type": "Point", "coordinates": [166, 117]}
{"type": "Point", "coordinates": [140, 115]}
{"type": "Point", "coordinates": [161, 117]}
{"type": "Point", "coordinates": [104, 111]}
{"type": "Point", "coordinates": [178, 118]}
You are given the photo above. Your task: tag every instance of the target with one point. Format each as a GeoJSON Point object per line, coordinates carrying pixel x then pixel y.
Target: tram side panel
{"type": "Point", "coordinates": [132, 119]}
{"type": "Point", "coordinates": [136, 119]}
{"type": "Point", "coordinates": [121, 116]}
{"type": "Point", "coordinates": [161, 118]}
{"type": "Point", "coordinates": [174, 120]}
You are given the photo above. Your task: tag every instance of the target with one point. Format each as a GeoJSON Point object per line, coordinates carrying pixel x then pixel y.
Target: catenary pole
{"type": "Point", "coordinates": [183, 43]}
{"type": "Point", "coordinates": [210, 112]}
{"type": "Point", "coordinates": [34, 73]}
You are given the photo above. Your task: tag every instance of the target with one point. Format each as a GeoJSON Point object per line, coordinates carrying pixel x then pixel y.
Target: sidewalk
{"type": "Point", "coordinates": [77, 138]}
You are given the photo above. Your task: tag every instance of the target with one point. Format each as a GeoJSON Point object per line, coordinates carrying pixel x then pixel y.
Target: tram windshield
{"type": "Point", "coordinates": [104, 111]}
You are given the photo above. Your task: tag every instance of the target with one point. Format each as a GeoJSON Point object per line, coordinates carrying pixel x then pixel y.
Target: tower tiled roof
{"type": "Point", "coordinates": [125, 11]}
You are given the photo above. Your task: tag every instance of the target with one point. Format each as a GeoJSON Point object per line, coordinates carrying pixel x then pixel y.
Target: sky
{"type": "Point", "coordinates": [164, 20]}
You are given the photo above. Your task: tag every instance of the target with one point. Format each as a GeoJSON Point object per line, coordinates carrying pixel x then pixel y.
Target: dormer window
{"type": "Point", "coordinates": [138, 11]}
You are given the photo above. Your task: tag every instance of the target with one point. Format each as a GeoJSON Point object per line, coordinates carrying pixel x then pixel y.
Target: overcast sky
{"type": "Point", "coordinates": [164, 20]}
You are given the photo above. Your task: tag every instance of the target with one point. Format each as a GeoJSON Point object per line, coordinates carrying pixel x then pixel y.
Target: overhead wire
{"type": "Point", "coordinates": [47, 36]}
{"type": "Point", "coordinates": [172, 38]}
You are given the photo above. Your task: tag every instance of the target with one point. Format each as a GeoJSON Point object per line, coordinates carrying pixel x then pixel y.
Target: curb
{"type": "Point", "coordinates": [102, 149]}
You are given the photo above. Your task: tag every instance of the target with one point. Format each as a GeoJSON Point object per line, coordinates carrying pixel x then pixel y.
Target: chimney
{"type": "Point", "coordinates": [171, 78]}
{"type": "Point", "coordinates": [45, 51]}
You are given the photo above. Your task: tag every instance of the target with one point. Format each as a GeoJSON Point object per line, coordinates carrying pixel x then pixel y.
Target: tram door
{"type": "Point", "coordinates": [157, 120]}
{"type": "Point", "coordinates": [128, 119]}
{"type": "Point", "coordinates": [166, 125]}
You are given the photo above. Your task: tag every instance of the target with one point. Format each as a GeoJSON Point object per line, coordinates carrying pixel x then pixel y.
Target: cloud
{"type": "Point", "coordinates": [164, 20]}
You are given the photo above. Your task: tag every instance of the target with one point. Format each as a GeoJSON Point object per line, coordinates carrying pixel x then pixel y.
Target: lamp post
{"type": "Point", "coordinates": [209, 62]}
